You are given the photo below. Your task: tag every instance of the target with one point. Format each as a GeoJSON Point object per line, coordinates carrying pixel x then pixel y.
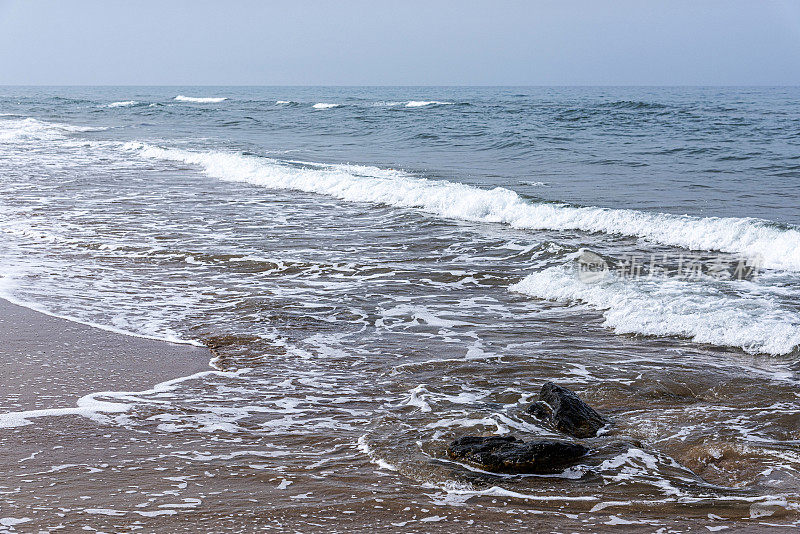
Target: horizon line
{"type": "Point", "coordinates": [388, 85]}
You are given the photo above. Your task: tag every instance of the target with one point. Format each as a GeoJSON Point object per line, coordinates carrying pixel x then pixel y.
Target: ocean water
{"type": "Point", "coordinates": [381, 270]}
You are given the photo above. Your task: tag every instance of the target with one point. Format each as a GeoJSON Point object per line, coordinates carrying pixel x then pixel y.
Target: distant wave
{"type": "Point", "coordinates": [672, 308]}
{"type": "Point", "coordinates": [422, 103]}
{"type": "Point", "coordinates": [390, 103]}
{"type": "Point", "coordinates": [633, 104]}
{"type": "Point", "coordinates": [411, 103]}
{"type": "Point", "coordinates": [774, 246]}
{"type": "Point", "coordinates": [123, 104]}
{"type": "Point", "coordinates": [200, 99]}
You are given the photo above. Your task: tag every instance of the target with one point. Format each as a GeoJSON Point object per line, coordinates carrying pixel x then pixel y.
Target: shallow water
{"type": "Point", "coordinates": [382, 275]}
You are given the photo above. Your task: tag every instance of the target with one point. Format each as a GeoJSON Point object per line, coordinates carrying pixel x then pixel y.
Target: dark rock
{"type": "Point", "coordinates": [540, 410]}
{"type": "Point", "coordinates": [566, 412]}
{"type": "Point", "coordinates": [507, 454]}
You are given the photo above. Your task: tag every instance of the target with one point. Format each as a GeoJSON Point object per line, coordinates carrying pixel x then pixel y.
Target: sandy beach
{"type": "Point", "coordinates": [70, 472]}
{"type": "Point", "coordinates": [49, 363]}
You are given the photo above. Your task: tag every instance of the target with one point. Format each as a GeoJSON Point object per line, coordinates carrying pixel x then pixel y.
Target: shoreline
{"type": "Point", "coordinates": [50, 362]}
{"type": "Point", "coordinates": [111, 329]}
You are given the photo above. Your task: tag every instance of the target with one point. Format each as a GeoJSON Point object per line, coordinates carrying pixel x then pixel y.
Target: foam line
{"type": "Point", "coordinates": [672, 308]}
{"type": "Point", "coordinates": [773, 246]}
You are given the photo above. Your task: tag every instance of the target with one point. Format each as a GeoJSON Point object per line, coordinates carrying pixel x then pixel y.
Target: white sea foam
{"type": "Point", "coordinates": [92, 407]}
{"type": "Point", "coordinates": [200, 99]}
{"type": "Point", "coordinates": [123, 104]}
{"type": "Point", "coordinates": [13, 521]}
{"type": "Point", "coordinates": [324, 105]}
{"type": "Point", "coordinates": [12, 130]}
{"type": "Point", "coordinates": [466, 491]}
{"type": "Point", "coordinates": [423, 103]}
{"type": "Point", "coordinates": [411, 103]}
{"type": "Point", "coordinates": [88, 406]}
{"type": "Point", "coordinates": [6, 293]}
{"type": "Point", "coordinates": [673, 308]}
{"type": "Point", "coordinates": [364, 447]}
{"type": "Point", "coordinates": [417, 398]}
{"type": "Point", "coordinates": [775, 247]}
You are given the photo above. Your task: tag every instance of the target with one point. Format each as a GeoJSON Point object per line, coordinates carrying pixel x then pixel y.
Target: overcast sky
{"type": "Point", "coordinates": [409, 42]}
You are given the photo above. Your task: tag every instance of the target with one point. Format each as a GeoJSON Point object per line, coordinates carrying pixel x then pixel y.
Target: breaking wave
{"type": "Point", "coordinates": [123, 104]}
{"type": "Point", "coordinates": [23, 129]}
{"type": "Point", "coordinates": [672, 308]}
{"type": "Point", "coordinates": [773, 246]}
{"type": "Point", "coordinates": [422, 103]}
{"type": "Point", "coordinates": [200, 99]}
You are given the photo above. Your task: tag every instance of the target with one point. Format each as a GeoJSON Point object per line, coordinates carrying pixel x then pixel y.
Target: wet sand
{"type": "Point", "coordinates": [47, 362]}
{"type": "Point", "coordinates": [71, 473]}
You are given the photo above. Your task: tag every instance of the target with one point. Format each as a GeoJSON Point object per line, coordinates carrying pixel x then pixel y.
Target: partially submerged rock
{"type": "Point", "coordinates": [507, 454]}
{"type": "Point", "coordinates": [566, 412]}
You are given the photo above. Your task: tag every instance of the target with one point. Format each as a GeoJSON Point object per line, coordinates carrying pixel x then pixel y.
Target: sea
{"type": "Point", "coordinates": [381, 270]}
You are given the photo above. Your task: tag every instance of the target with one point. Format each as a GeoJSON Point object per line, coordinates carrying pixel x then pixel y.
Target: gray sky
{"type": "Point", "coordinates": [432, 42]}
